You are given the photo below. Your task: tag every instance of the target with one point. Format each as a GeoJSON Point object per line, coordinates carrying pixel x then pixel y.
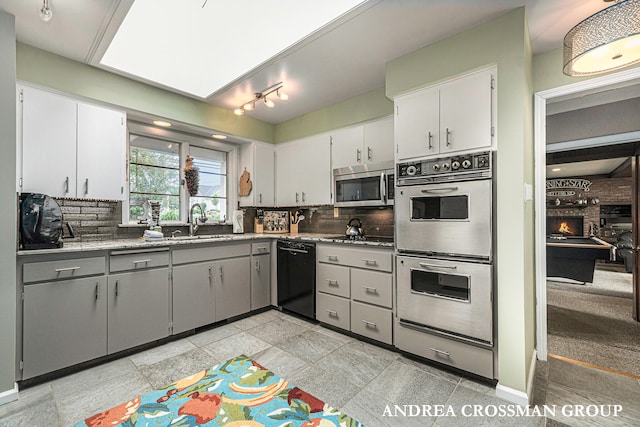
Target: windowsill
{"type": "Point", "coordinates": [171, 224]}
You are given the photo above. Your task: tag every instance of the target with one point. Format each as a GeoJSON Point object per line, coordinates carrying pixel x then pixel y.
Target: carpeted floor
{"type": "Point", "coordinates": [592, 323]}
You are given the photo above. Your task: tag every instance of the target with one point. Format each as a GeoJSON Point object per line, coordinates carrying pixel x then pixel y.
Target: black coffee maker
{"type": "Point", "coordinates": [41, 222]}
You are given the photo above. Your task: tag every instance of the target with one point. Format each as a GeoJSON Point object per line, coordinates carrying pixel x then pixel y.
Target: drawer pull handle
{"type": "Point", "coordinates": [370, 324]}
{"type": "Point", "coordinates": [332, 313]}
{"type": "Point", "coordinates": [332, 257]}
{"type": "Point", "coordinates": [117, 293]}
{"type": "Point", "coordinates": [449, 267]}
{"type": "Point", "coordinates": [370, 290]}
{"type": "Point", "coordinates": [262, 249]}
{"type": "Point", "coordinates": [97, 287]}
{"type": "Point", "coordinates": [210, 278]}
{"type": "Point", "coordinates": [62, 270]}
{"type": "Point", "coordinates": [221, 274]}
{"type": "Point", "coordinates": [370, 261]}
{"type": "Point", "coordinates": [332, 282]}
{"type": "Point", "coordinates": [444, 353]}
{"type": "Point", "coordinates": [141, 261]}
{"type": "Point", "coordinates": [258, 266]}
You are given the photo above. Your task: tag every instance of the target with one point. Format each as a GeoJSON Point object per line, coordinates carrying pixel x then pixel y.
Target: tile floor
{"type": "Point", "coordinates": [359, 378]}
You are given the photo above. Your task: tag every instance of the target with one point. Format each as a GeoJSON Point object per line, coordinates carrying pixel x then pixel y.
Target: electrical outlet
{"type": "Point", "coordinates": [336, 212]}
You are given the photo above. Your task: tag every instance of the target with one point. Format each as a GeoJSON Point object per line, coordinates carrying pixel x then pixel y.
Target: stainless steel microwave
{"type": "Point", "coordinates": [364, 185]}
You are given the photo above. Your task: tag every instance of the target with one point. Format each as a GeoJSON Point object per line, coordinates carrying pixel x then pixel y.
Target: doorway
{"type": "Point", "coordinates": [540, 115]}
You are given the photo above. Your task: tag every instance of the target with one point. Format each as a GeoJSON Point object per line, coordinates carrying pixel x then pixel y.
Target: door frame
{"type": "Point", "coordinates": [540, 150]}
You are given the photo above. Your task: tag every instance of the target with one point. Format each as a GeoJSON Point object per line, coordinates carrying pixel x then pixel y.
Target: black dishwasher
{"type": "Point", "coordinates": [297, 277]}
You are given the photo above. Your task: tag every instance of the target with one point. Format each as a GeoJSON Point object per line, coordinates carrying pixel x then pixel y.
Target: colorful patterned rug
{"type": "Point", "coordinates": [236, 393]}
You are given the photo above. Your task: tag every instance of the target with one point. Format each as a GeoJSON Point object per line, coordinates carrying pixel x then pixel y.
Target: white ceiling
{"type": "Point", "coordinates": [587, 168]}
{"type": "Point", "coordinates": [341, 62]}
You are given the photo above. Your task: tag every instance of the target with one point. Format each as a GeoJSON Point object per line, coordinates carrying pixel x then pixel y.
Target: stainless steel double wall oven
{"type": "Point", "coordinates": [445, 244]}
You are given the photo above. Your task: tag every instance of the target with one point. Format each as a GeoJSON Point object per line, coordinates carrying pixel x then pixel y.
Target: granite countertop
{"type": "Point", "coordinates": [119, 244]}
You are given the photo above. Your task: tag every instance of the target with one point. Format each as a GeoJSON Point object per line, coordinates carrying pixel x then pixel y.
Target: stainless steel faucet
{"type": "Point", "coordinates": [193, 222]}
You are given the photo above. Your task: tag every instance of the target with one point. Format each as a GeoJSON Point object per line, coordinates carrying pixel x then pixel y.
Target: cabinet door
{"type": "Point", "coordinates": [261, 281]}
{"type": "Point", "coordinates": [264, 181]}
{"type": "Point", "coordinates": [465, 113]}
{"type": "Point", "coordinates": [288, 170]}
{"type": "Point", "coordinates": [138, 308]}
{"type": "Point", "coordinates": [347, 147]}
{"type": "Point", "coordinates": [193, 296]}
{"type": "Point", "coordinates": [65, 323]}
{"type": "Point", "coordinates": [378, 141]}
{"type": "Point", "coordinates": [48, 144]}
{"type": "Point", "coordinates": [417, 124]}
{"type": "Point", "coordinates": [101, 153]}
{"type": "Point", "coordinates": [233, 287]}
{"type": "Point", "coordinates": [315, 174]}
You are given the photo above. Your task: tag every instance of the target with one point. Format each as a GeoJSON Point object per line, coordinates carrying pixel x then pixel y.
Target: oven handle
{"type": "Point", "coordinates": [448, 267]}
{"type": "Point", "coordinates": [435, 190]}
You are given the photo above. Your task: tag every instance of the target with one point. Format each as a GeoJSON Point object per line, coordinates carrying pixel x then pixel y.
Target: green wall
{"type": "Point", "coordinates": [368, 106]}
{"type": "Point", "coordinates": [502, 41]}
{"type": "Point", "coordinates": [8, 195]}
{"type": "Point", "coordinates": [47, 69]}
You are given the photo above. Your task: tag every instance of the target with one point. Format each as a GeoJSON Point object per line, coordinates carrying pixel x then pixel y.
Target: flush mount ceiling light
{"type": "Point", "coordinates": [162, 123]}
{"type": "Point", "coordinates": [45, 11]}
{"type": "Point", "coordinates": [605, 41]}
{"type": "Point", "coordinates": [248, 106]}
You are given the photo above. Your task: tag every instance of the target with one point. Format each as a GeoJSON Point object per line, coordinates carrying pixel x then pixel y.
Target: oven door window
{"type": "Point", "coordinates": [440, 284]}
{"type": "Point", "coordinates": [358, 189]}
{"type": "Point", "coordinates": [440, 207]}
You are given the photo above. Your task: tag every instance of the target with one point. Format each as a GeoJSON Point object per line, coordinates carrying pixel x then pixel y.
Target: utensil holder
{"type": "Point", "coordinates": [293, 229]}
{"type": "Point", "coordinates": [258, 227]}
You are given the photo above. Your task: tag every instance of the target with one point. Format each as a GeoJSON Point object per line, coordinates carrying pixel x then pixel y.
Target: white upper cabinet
{"type": "Point", "coordinates": [457, 116]}
{"type": "Point", "coordinates": [303, 175]}
{"type": "Point", "coordinates": [48, 144]}
{"type": "Point", "coordinates": [378, 140]}
{"type": "Point", "coordinates": [371, 142]}
{"type": "Point", "coordinates": [347, 147]}
{"type": "Point", "coordinates": [259, 161]}
{"type": "Point", "coordinates": [71, 149]}
{"type": "Point", "coordinates": [101, 153]}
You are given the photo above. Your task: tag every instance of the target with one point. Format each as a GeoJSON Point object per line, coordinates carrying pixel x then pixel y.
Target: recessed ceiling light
{"type": "Point", "coordinates": [218, 136]}
{"type": "Point", "coordinates": [139, 47]}
{"type": "Point", "coordinates": [162, 123]}
{"type": "Point", "coordinates": [555, 170]}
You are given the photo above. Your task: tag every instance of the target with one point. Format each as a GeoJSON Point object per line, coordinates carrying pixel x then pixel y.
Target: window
{"type": "Point", "coordinates": [154, 174]}
{"type": "Point", "coordinates": [212, 192]}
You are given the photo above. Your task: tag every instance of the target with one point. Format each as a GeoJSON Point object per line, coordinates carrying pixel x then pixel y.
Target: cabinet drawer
{"type": "Point", "coordinates": [62, 269]}
{"type": "Point", "coordinates": [372, 287]}
{"type": "Point", "coordinates": [373, 322]}
{"type": "Point", "coordinates": [208, 253]}
{"type": "Point", "coordinates": [333, 279]}
{"type": "Point", "coordinates": [371, 259]}
{"type": "Point", "coordinates": [261, 248]}
{"type": "Point", "coordinates": [444, 350]}
{"type": "Point", "coordinates": [138, 261]}
{"type": "Point", "coordinates": [332, 310]}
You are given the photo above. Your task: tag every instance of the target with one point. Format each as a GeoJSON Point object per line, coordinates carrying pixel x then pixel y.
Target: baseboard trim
{"type": "Point", "coordinates": [531, 382]}
{"type": "Point", "coordinates": [512, 395]}
{"type": "Point", "coordinates": [9, 395]}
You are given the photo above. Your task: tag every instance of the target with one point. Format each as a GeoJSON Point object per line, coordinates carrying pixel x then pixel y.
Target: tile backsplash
{"type": "Point", "coordinates": [100, 220]}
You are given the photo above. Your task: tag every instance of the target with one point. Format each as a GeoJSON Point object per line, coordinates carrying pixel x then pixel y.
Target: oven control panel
{"type": "Point", "coordinates": [460, 167]}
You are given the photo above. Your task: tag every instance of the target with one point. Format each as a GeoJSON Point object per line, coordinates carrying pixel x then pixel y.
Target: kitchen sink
{"type": "Point", "coordinates": [199, 237]}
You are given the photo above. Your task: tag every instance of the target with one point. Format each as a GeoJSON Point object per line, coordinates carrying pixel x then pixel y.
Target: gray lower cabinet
{"type": "Point", "coordinates": [232, 280]}
{"type": "Point", "coordinates": [261, 281]}
{"type": "Point", "coordinates": [193, 296]}
{"type": "Point", "coordinates": [138, 304]}
{"type": "Point", "coordinates": [64, 323]}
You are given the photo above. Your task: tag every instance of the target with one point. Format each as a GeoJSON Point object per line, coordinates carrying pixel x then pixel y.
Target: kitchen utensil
{"type": "Point", "coordinates": [238, 219]}
{"type": "Point", "coordinates": [295, 219]}
{"type": "Point", "coordinates": [353, 229]}
{"type": "Point", "coordinates": [300, 218]}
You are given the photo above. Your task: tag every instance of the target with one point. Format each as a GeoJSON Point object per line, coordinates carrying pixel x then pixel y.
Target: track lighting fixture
{"type": "Point", "coordinates": [45, 11]}
{"type": "Point", "coordinates": [248, 106]}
